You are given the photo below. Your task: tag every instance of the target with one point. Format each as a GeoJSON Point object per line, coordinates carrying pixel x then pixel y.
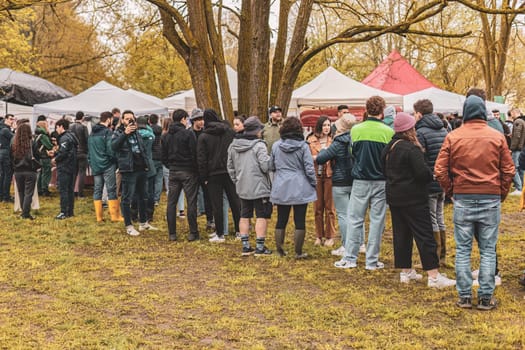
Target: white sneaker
{"type": "Point", "coordinates": [475, 274]}
{"type": "Point", "coordinates": [406, 277]}
{"type": "Point", "coordinates": [515, 193]}
{"type": "Point", "coordinates": [146, 226]}
{"type": "Point", "coordinates": [440, 282]}
{"type": "Point", "coordinates": [217, 239]}
{"type": "Point", "coordinates": [362, 249]}
{"type": "Point", "coordinates": [339, 251]}
{"type": "Point", "coordinates": [345, 264]}
{"type": "Point", "coordinates": [377, 266]}
{"type": "Point", "coordinates": [130, 230]}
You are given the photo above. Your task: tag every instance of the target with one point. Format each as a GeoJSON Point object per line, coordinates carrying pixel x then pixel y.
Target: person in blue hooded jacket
{"type": "Point", "coordinates": [293, 183]}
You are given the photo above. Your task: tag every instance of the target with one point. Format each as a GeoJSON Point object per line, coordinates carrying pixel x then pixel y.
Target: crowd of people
{"type": "Point", "coordinates": [409, 163]}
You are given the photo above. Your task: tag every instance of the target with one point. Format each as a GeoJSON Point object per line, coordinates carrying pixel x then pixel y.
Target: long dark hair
{"type": "Point", "coordinates": [318, 131]}
{"type": "Point", "coordinates": [411, 136]}
{"type": "Point", "coordinates": [22, 142]}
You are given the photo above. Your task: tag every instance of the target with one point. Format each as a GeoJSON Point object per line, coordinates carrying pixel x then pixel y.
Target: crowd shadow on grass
{"type": "Point", "coordinates": [79, 284]}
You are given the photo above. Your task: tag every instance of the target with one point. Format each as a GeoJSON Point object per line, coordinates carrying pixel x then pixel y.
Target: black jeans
{"type": "Point", "coordinates": [216, 185]}
{"type": "Point", "coordinates": [25, 183]}
{"type": "Point", "coordinates": [66, 188]}
{"type": "Point", "coordinates": [132, 182]}
{"type": "Point", "coordinates": [6, 173]}
{"type": "Point", "coordinates": [409, 224]}
{"type": "Point", "coordinates": [179, 180]}
{"type": "Point", "coordinates": [82, 164]}
{"type": "Point", "coordinates": [299, 216]}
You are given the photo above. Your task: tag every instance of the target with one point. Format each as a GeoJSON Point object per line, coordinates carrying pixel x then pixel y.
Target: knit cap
{"type": "Point", "coordinates": [344, 124]}
{"type": "Point", "coordinates": [403, 122]}
{"type": "Point", "coordinates": [252, 126]}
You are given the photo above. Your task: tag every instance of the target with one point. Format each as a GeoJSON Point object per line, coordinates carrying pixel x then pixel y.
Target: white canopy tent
{"type": "Point", "coordinates": [186, 99]}
{"type": "Point", "coordinates": [332, 88]}
{"type": "Point", "coordinates": [148, 97]}
{"type": "Point", "coordinates": [99, 98]}
{"type": "Point", "coordinates": [445, 101]}
{"type": "Point", "coordinates": [19, 111]}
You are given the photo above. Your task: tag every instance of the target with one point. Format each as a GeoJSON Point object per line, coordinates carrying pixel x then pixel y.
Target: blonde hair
{"type": "Point", "coordinates": [43, 124]}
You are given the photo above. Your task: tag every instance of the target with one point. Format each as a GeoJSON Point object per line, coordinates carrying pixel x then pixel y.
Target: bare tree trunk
{"type": "Point", "coordinates": [260, 69]}
{"type": "Point", "coordinates": [244, 61]}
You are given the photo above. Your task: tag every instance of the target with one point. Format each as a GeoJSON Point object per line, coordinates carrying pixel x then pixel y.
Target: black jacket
{"type": "Point", "coordinates": [156, 151]}
{"type": "Point", "coordinates": [431, 133]}
{"type": "Point", "coordinates": [66, 156]}
{"type": "Point", "coordinates": [407, 174]}
{"type": "Point", "coordinates": [212, 149]}
{"type": "Point", "coordinates": [26, 163]}
{"type": "Point", "coordinates": [5, 138]}
{"type": "Point", "coordinates": [179, 148]}
{"type": "Point", "coordinates": [120, 143]}
{"type": "Point", "coordinates": [81, 132]}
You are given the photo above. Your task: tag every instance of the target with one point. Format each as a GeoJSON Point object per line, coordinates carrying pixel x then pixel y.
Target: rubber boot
{"type": "Point", "coordinates": [279, 241]}
{"type": "Point", "coordinates": [114, 210]}
{"type": "Point", "coordinates": [99, 211]}
{"type": "Point", "coordinates": [298, 242]}
{"type": "Point", "coordinates": [443, 250]}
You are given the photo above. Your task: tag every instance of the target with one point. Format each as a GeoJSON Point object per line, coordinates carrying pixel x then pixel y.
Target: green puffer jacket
{"type": "Point", "coordinates": [100, 154]}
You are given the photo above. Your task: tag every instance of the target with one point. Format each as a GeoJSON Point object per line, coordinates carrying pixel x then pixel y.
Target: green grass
{"type": "Point", "coordinates": [77, 284]}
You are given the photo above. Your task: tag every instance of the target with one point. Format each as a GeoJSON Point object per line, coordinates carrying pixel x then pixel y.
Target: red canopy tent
{"type": "Point", "coordinates": [396, 75]}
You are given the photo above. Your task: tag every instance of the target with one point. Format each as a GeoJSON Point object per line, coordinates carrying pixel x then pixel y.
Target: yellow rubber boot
{"type": "Point", "coordinates": [114, 210]}
{"type": "Point", "coordinates": [99, 210]}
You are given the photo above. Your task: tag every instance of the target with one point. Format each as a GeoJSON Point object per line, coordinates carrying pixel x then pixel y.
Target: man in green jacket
{"type": "Point", "coordinates": [44, 144]}
{"type": "Point", "coordinates": [270, 133]}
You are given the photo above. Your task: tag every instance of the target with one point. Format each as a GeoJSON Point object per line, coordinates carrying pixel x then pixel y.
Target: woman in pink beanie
{"type": "Point", "coordinates": [407, 179]}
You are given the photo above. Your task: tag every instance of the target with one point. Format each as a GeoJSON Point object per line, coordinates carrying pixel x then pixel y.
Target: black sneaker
{"type": "Point", "coordinates": [193, 237]}
{"type": "Point", "coordinates": [172, 238]}
{"type": "Point", "coordinates": [487, 303]}
{"type": "Point", "coordinates": [464, 303]}
{"type": "Point", "coordinates": [263, 251]}
{"type": "Point", "coordinates": [246, 251]}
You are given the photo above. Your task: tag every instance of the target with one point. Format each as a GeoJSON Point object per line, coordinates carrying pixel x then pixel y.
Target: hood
{"type": "Point", "coordinates": [176, 127]}
{"type": "Point", "coordinates": [474, 108]}
{"type": "Point", "coordinates": [290, 145]}
{"type": "Point", "coordinates": [146, 132]}
{"type": "Point", "coordinates": [241, 145]}
{"type": "Point", "coordinates": [70, 137]}
{"type": "Point", "coordinates": [97, 128]}
{"type": "Point", "coordinates": [216, 128]}
{"type": "Point", "coordinates": [431, 121]}
{"type": "Point", "coordinates": [210, 116]}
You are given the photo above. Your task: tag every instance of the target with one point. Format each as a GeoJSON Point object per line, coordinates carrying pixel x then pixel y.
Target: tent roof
{"type": "Point", "coordinates": [332, 87]}
{"type": "Point", "coordinates": [445, 101]}
{"type": "Point", "coordinates": [99, 98]}
{"type": "Point", "coordinates": [26, 89]}
{"type": "Point", "coordinates": [396, 75]}
{"type": "Point", "coordinates": [148, 97]}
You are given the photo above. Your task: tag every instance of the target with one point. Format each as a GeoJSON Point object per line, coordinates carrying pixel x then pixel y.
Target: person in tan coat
{"type": "Point", "coordinates": [324, 205]}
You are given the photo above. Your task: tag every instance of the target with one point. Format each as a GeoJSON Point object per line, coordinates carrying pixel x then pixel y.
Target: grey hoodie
{"type": "Point", "coordinates": [248, 166]}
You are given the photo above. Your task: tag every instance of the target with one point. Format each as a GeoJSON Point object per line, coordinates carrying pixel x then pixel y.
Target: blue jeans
{"type": "Point", "coordinates": [134, 182]}
{"type": "Point", "coordinates": [341, 197]}
{"type": "Point", "coordinates": [481, 217]}
{"type": "Point", "coordinates": [158, 180]}
{"type": "Point", "coordinates": [364, 194]}
{"type": "Point", "coordinates": [518, 176]}
{"type": "Point", "coordinates": [109, 178]}
{"type": "Point", "coordinates": [436, 202]}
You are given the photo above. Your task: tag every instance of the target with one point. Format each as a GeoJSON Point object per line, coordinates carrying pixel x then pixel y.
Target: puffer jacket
{"type": "Point", "coordinates": [5, 138]}
{"type": "Point", "coordinates": [517, 141]}
{"type": "Point", "coordinates": [66, 156]}
{"type": "Point", "coordinates": [179, 147]}
{"type": "Point", "coordinates": [212, 149]}
{"type": "Point", "coordinates": [248, 167]}
{"type": "Point", "coordinates": [156, 151]}
{"type": "Point", "coordinates": [339, 154]}
{"type": "Point", "coordinates": [43, 142]}
{"type": "Point", "coordinates": [294, 180]}
{"type": "Point", "coordinates": [100, 154]}
{"type": "Point", "coordinates": [431, 133]}
{"type": "Point", "coordinates": [148, 139]}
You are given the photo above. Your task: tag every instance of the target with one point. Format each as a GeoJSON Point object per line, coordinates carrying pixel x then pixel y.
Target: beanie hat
{"type": "Point", "coordinates": [474, 108]}
{"type": "Point", "coordinates": [390, 112]}
{"type": "Point", "coordinates": [210, 116]}
{"type": "Point", "coordinates": [403, 122]}
{"type": "Point", "coordinates": [344, 123]}
{"type": "Point", "coordinates": [252, 126]}
{"type": "Point", "coordinates": [196, 114]}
